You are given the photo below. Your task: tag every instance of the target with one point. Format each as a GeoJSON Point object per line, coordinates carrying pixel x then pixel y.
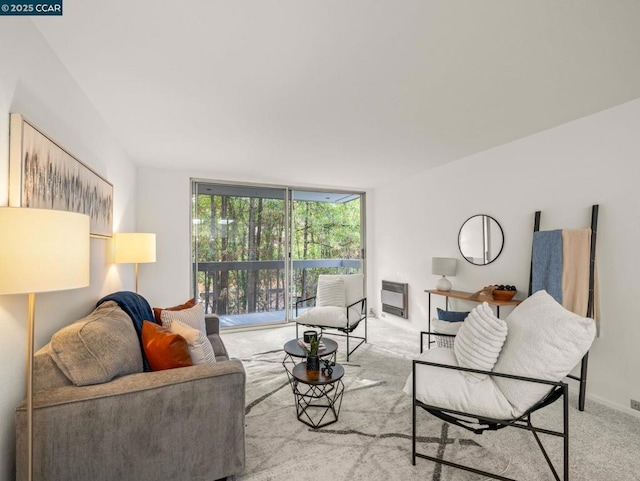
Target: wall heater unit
{"type": "Point", "coordinates": [395, 298]}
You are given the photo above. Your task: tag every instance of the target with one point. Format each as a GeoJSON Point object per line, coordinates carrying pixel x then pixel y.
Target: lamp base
{"type": "Point", "coordinates": [443, 284]}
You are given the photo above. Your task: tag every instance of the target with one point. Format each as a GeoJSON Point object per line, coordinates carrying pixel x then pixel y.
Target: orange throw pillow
{"type": "Point", "coordinates": [164, 350]}
{"type": "Point", "coordinates": [157, 311]}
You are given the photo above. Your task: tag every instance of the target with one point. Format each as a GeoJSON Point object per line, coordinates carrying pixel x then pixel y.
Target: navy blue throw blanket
{"type": "Point", "coordinates": [138, 310]}
{"type": "Point", "coordinates": [547, 262]}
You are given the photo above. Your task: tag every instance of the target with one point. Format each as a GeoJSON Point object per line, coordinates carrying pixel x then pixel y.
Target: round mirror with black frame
{"type": "Point", "coordinates": [480, 239]}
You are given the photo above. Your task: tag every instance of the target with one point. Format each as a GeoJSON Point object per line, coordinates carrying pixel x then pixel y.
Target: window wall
{"type": "Point", "coordinates": [256, 249]}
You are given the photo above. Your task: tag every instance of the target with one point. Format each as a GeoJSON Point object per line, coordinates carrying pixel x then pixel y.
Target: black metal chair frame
{"type": "Point", "coordinates": [468, 421]}
{"type": "Point", "coordinates": [346, 331]}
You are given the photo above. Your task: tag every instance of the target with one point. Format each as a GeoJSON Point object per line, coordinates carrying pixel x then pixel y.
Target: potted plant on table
{"type": "Point", "coordinates": [313, 361]}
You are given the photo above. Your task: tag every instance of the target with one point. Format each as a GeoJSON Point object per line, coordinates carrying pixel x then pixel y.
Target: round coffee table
{"type": "Point", "coordinates": [293, 350]}
{"type": "Point", "coordinates": [318, 395]}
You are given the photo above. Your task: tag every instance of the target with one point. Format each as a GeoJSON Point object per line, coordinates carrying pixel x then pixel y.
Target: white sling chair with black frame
{"type": "Point", "coordinates": [340, 304]}
{"type": "Point", "coordinates": [500, 372]}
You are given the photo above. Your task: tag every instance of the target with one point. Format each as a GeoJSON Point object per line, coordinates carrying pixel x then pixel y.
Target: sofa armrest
{"type": "Point", "coordinates": [153, 418]}
{"type": "Point", "coordinates": [212, 323]}
{"type": "Point", "coordinates": [218, 347]}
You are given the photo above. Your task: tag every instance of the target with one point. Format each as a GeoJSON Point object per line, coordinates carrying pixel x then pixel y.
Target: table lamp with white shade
{"type": "Point", "coordinates": [443, 266]}
{"type": "Point", "coordinates": [134, 248]}
{"type": "Point", "coordinates": [41, 250]}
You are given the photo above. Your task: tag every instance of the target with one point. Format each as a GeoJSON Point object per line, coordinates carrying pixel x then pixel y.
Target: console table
{"type": "Point", "coordinates": [465, 296]}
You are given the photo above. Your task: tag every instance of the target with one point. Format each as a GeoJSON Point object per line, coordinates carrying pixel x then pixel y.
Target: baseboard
{"type": "Point", "coordinates": [612, 405]}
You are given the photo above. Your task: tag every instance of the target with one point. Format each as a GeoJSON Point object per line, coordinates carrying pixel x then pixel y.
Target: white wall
{"type": "Point", "coordinates": [164, 208]}
{"type": "Point", "coordinates": [562, 172]}
{"type": "Point", "coordinates": [34, 83]}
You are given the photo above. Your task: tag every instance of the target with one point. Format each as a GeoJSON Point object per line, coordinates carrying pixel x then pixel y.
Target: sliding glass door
{"type": "Point", "coordinates": [243, 237]}
{"type": "Point", "coordinates": [327, 238]}
{"type": "Point", "coordinates": [240, 248]}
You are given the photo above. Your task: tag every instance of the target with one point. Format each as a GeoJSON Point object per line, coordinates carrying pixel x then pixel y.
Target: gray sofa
{"type": "Point", "coordinates": [98, 417]}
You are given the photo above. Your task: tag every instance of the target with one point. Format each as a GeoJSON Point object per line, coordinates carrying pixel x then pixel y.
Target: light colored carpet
{"type": "Point", "coordinates": [372, 438]}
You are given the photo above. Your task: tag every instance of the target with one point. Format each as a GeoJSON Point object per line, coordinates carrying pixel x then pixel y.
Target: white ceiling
{"type": "Point", "coordinates": [344, 93]}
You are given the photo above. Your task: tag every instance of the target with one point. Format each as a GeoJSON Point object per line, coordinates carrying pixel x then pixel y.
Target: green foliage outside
{"type": "Point", "coordinates": [249, 229]}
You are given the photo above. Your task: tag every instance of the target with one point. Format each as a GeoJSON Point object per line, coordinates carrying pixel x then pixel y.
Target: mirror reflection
{"type": "Point", "coordinates": [480, 239]}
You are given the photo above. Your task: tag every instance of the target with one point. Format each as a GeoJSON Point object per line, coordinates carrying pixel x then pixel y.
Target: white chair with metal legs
{"type": "Point", "coordinates": [499, 373]}
{"type": "Point", "coordinates": [340, 305]}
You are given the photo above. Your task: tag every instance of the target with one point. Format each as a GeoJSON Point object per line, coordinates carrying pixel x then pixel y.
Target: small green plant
{"type": "Point", "coordinates": [314, 345]}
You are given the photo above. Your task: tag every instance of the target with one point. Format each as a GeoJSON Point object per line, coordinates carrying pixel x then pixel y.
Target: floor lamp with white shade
{"type": "Point", "coordinates": [41, 250]}
{"type": "Point", "coordinates": [134, 248]}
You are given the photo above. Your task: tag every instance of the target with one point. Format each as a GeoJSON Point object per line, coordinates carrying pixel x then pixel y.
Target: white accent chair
{"type": "Point", "coordinates": [340, 304]}
{"type": "Point", "coordinates": [500, 372]}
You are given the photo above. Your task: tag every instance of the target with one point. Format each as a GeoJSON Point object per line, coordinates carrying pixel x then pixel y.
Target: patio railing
{"type": "Point", "coordinates": [241, 287]}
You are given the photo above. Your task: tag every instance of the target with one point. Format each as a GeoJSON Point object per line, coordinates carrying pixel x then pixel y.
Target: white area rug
{"type": "Point", "coordinates": [370, 441]}
{"type": "Point", "coordinates": [372, 438]}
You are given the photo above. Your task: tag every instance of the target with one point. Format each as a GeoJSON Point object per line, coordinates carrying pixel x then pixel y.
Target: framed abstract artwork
{"type": "Point", "coordinates": [43, 175]}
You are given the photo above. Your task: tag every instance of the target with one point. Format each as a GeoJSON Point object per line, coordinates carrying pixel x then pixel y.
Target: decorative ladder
{"type": "Point", "coordinates": [582, 376]}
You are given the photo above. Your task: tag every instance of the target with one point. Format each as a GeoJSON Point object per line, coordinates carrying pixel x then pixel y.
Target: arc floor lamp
{"type": "Point", "coordinates": [41, 251]}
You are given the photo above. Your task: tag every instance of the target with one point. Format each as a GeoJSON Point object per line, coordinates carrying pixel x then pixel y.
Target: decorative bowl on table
{"type": "Point", "coordinates": [503, 292]}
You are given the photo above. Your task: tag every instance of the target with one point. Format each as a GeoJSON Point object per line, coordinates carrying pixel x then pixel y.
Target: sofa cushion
{"type": "Point", "coordinates": [138, 310]}
{"type": "Point", "coordinates": [46, 373]}
{"type": "Point", "coordinates": [157, 311]}
{"type": "Point", "coordinates": [98, 348]}
{"type": "Point", "coordinates": [200, 349]}
{"type": "Point", "coordinates": [192, 317]}
{"type": "Point", "coordinates": [164, 349]}
{"type": "Point", "coordinates": [545, 341]}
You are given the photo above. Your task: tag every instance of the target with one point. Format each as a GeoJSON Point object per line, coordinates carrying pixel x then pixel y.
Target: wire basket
{"type": "Point", "coordinates": [445, 341]}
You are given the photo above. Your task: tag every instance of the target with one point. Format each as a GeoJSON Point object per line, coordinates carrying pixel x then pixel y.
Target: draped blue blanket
{"type": "Point", "coordinates": [547, 263]}
{"type": "Point", "coordinates": [138, 310]}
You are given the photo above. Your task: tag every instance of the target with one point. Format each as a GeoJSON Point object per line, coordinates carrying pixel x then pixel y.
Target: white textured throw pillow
{"type": "Point", "coordinates": [480, 340]}
{"type": "Point", "coordinates": [330, 292]}
{"type": "Point", "coordinates": [192, 317]}
{"type": "Point", "coordinates": [546, 341]}
{"type": "Point", "coordinates": [200, 348]}
{"type": "Point", "coordinates": [445, 327]}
